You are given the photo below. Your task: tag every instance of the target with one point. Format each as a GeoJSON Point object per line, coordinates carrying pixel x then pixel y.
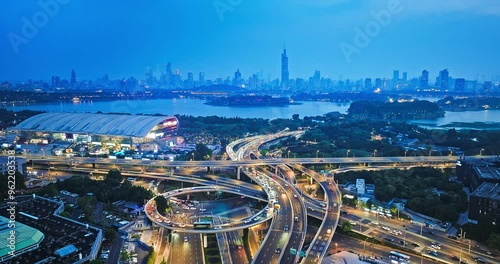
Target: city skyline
{"type": "Point", "coordinates": [250, 37]}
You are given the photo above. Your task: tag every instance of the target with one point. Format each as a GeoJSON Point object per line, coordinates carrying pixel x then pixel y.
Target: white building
{"type": "Point", "coordinates": [360, 186]}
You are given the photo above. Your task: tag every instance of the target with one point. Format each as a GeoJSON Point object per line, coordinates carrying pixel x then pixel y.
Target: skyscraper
{"type": "Point", "coordinates": [378, 83]}
{"type": "Point", "coordinates": [237, 78]}
{"type": "Point", "coordinates": [444, 76]}
{"type": "Point", "coordinates": [395, 76]}
{"type": "Point", "coordinates": [368, 83]}
{"type": "Point", "coordinates": [459, 85]}
{"type": "Point", "coordinates": [168, 69]}
{"type": "Point", "coordinates": [316, 79]}
{"type": "Point", "coordinates": [285, 75]}
{"type": "Point", "coordinates": [73, 78]}
{"type": "Point", "coordinates": [56, 81]}
{"type": "Point", "coordinates": [405, 77]}
{"type": "Point", "coordinates": [201, 78]}
{"type": "Point", "coordinates": [424, 79]}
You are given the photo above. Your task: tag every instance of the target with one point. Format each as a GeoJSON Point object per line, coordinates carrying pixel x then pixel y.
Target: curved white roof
{"type": "Point", "coordinates": [93, 124]}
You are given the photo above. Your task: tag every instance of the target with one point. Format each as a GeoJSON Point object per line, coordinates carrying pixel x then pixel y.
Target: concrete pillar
{"type": "Point", "coordinates": [238, 173]}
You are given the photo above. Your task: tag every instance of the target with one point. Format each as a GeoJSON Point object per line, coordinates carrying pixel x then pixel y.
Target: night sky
{"type": "Point", "coordinates": [124, 38]}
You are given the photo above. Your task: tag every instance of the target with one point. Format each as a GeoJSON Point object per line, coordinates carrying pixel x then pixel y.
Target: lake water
{"type": "Point", "coordinates": [196, 107]}
{"type": "Point", "coordinates": [188, 107]}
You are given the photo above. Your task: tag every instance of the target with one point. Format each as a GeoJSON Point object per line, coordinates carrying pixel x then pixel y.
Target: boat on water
{"type": "Point", "coordinates": [76, 99]}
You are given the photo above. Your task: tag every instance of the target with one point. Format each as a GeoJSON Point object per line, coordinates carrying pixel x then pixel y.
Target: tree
{"type": "Point", "coordinates": [161, 203]}
{"type": "Point", "coordinates": [163, 261]}
{"type": "Point", "coordinates": [346, 226]}
{"type": "Point", "coordinates": [124, 255]}
{"type": "Point", "coordinates": [113, 178]}
{"type": "Point", "coordinates": [110, 234]}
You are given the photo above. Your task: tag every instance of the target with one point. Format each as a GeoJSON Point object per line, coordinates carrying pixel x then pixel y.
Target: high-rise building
{"type": "Point", "coordinates": [201, 78]}
{"type": "Point", "coordinates": [316, 79]}
{"type": "Point", "coordinates": [368, 83]}
{"type": "Point", "coordinates": [285, 75]}
{"type": "Point", "coordinates": [444, 76]}
{"type": "Point", "coordinates": [395, 75]}
{"type": "Point", "coordinates": [424, 79]}
{"type": "Point", "coordinates": [378, 83]}
{"type": "Point", "coordinates": [487, 86]}
{"type": "Point", "coordinates": [73, 78]}
{"type": "Point", "coordinates": [237, 78]}
{"type": "Point", "coordinates": [56, 81]}
{"type": "Point", "coordinates": [168, 69]}
{"type": "Point", "coordinates": [459, 85]}
{"type": "Point", "coordinates": [405, 77]}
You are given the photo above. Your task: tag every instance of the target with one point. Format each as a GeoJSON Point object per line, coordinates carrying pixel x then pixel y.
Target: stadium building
{"type": "Point", "coordinates": [17, 239]}
{"type": "Point", "coordinates": [96, 129]}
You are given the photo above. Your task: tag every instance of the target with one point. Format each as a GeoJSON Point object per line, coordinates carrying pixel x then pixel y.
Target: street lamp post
{"type": "Point", "coordinates": [364, 245]}
{"type": "Point", "coordinates": [481, 152]}
{"type": "Point", "coordinates": [289, 154]}
{"type": "Point", "coordinates": [192, 154]}
{"type": "Point", "coordinates": [347, 154]}
{"type": "Point", "coordinates": [317, 152]}
{"type": "Point", "coordinates": [374, 153]}
{"type": "Point", "coordinates": [406, 151]}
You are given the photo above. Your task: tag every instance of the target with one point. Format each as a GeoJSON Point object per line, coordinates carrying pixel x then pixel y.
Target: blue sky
{"type": "Point", "coordinates": [125, 38]}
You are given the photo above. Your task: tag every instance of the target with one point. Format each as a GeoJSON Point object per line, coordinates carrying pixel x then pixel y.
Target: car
{"type": "Point", "coordinates": [329, 231]}
{"type": "Point", "coordinates": [454, 258]}
{"type": "Point", "coordinates": [403, 242]}
{"type": "Point", "coordinates": [285, 228]}
{"type": "Point", "coordinates": [329, 209]}
{"type": "Point", "coordinates": [247, 221]}
{"type": "Point", "coordinates": [217, 227]}
{"type": "Point", "coordinates": [202, 209]}
{"type": "Point", "coordinates": [186, 239]}
{"type": "Point", "coordinates": [352, 223]}
{"type": "Point", "coordinates": [436, 247]}
{"type": "Point", "coordinates": [374, 222]}
{"type": "Point", "coordinates": [415, 244]}
{"type": "Point", "coordinates": [296, 219]}
{"type": "Point", "coordinates": [311, 209]}
{"type": "Point", "coordinates": [452, 237]}
{"type": "Point", "coordinates": [278, 250]}
{"type": "Point", "coordinates": [294, 196]}
{"type": "Point", "coordinates": [182, 225]}
{"type": "Point", "coordinates": [434, 253]}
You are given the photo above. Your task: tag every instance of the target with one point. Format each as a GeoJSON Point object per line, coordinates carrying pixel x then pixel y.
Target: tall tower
{"type": "Point", "coordinates": [444, 76]}
{"type": "Point", "coordinates": [285, 75]}
{"type": "Point", "coordinates": [424, 79]}
{"type": "Point", "coordinates": [73, 78]}
{"type": "Point", "coordinates": [168, 69]}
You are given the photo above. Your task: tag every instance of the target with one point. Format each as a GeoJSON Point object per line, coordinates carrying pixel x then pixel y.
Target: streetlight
{"type": "Point", "coordinates": [336, 247]}
{"type": "Point", "coordinates": [406, 151]}
{"type": "Point", "coordinates": [192, 154]}
{"type": "Point", "coordinates": [317, 152]}
{"type": "Point", "coordinates": [347, 154]}
{"type": "Point", "coordinates": [364, 244]}
{"type": "Point", "coordinates": [430, 152]}
{"type": "Point", "coordinates": [374, 153]}
{"type": "Point", "coordinates": [481, 152]}
{"type": "Point", "coordinates": [289, 154]}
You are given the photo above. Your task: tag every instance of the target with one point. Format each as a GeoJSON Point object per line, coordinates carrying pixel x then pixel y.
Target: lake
{"type": "Point", "coordinates": [489, 119]}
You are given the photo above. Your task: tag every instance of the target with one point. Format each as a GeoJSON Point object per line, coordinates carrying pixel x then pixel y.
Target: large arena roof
{"type": "Point", "coordinates": [95, 124]}
{"type": "Point", "coordinates": [25, 236]}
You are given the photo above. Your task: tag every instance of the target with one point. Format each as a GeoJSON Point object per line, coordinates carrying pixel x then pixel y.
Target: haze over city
{"type": "Point", "coordinates": [250, 131]}
{"type": "Point", "coordinates": [126, 39]}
